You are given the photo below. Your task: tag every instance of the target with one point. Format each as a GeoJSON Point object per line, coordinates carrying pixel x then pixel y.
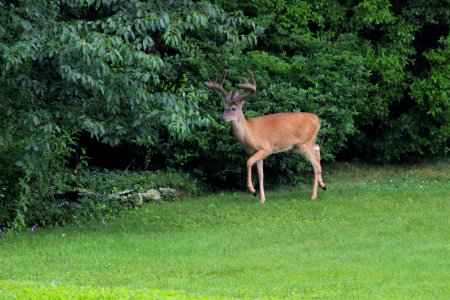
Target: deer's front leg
{"type": "Point", "coordinates": [259, 155]}
{"type": "Point", "coordinates": [262, 196]}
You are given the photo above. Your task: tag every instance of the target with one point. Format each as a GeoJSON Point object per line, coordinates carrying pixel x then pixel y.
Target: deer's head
{"type": "Point", "coordinates": [233, 99]}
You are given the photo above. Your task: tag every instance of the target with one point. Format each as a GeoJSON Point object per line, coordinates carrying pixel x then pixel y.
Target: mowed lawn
{"type": "Point", "coordinates": [378, 232]}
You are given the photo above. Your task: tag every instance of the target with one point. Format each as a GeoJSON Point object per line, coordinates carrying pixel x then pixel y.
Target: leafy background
{"type": "Point", "coordinates": [77, 75]}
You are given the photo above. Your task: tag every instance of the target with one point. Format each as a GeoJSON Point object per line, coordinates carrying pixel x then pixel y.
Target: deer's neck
{"type": "Point", "coordinates": [240, 129]}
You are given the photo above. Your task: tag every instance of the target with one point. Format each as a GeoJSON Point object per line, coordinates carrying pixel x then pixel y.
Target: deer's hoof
{"type": "Point", "coordinates": [254, 194]}
{"type": "Point", "coordinates": [324, 187]}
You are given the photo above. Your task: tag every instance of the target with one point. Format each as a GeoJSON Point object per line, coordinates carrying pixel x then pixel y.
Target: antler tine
{"type": "Point", "coordinates": [218, 86]}
{"type": "Point", "coordinates": [247, 85]}
{"type": "Point", "coordinates": [223, 76]}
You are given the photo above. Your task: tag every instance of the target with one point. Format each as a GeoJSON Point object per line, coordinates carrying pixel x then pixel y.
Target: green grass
{"type": "Point", "coordinates": [376, 233]}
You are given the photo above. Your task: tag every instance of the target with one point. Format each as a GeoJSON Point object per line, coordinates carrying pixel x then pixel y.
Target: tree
{"type": "Point", "coordinates": [118, 70]}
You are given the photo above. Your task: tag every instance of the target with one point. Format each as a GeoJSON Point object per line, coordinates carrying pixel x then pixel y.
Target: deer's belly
{"type": "Point", "coordinates": [282, 149]}
{"type": "Point", "coordinates": [270, 148]}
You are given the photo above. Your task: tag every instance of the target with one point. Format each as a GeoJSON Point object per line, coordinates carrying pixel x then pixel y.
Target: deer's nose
{"type": "Point", "coordinates": [221, 119]}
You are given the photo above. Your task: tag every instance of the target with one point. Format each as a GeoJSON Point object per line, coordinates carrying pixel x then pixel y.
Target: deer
{"type": "Point", "coordinates": [268, 134]}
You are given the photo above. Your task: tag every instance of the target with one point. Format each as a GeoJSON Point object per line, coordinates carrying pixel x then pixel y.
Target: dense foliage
{"type": "Point", "coordinates": [118, 70]}
{"type": "Point", "coordinates": [376, 71]}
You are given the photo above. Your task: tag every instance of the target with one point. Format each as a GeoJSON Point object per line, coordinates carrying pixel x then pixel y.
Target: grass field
{"type": "Point", "coordinates": [378, 232]}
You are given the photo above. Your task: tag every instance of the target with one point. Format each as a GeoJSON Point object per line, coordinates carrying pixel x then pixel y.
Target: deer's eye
{"type": "Point", "coordinates": [233, 109]}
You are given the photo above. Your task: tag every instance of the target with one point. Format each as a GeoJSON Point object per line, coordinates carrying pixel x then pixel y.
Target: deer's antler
{"type": "Point", "coordinates": [250, 87]}
{"type": "Point", "coordinates": [218, 86]}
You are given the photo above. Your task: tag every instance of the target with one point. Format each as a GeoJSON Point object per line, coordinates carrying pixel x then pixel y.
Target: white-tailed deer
{"type": "Point", "coordinates": [264, 135]}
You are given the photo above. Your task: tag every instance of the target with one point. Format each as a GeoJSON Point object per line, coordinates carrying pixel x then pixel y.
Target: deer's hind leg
{"type": "Point", "coordinates": [316, 149]}
{"type": "Point", "coordinates": [308, 151]}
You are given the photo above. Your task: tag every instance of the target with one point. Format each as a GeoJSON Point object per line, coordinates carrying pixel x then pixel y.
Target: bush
{"type": "Point", "coordinates": [116, 70]}
{"type": "Point", "coordinates": [326, 78]}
